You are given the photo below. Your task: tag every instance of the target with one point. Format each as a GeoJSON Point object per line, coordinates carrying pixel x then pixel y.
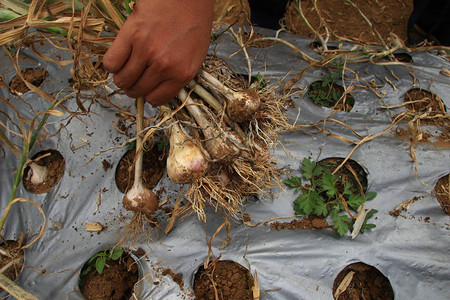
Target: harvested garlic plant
{"type": "Point", "coordinates": [139, 198]}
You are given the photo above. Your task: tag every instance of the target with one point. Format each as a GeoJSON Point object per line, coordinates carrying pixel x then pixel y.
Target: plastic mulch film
{"type": "Point", "coordinates": [411, 250]}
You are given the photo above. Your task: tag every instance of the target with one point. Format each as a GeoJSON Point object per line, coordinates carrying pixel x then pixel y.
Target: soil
{"type": "Point", "coordinates": [427, 102]}
{"type": "Point", "coordinates": [115, 283]}
{"type": "Point", "coordinates": [345, 22]}
{"type": "Point", "coordinates": [310, 222]}
{"type": "Point", "coordinates": [55, 164]}
{"type": "Point", "coordinates": [327, 100]}
{"type": "Point", "coordinates": [17, 255]}
{"type": "Point", "coordinates": [35, 76]}
{"type": "Point", "coordinates": [368, 283]}
{"type": "Point", "coordinates": [432, 111]}
{"type": "Point", "coordinates": [231, 280]}
{"type": "Point", "coordinates": [154, 164]}
{"type": "Point", "coordinates": [442, 190]}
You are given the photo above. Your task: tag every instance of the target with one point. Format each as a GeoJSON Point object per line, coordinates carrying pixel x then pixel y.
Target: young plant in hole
{"type": "Point", "coordinates": [326, 93]}
{"type": "Point", "coordinates": [330, 195]}
{"type": "Point", "coordinates": [99, 261]}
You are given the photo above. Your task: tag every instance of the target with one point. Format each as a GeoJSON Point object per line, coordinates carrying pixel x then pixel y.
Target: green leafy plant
{"type": "Point", "coordinates": [99, 260]}
{"type": "Point", "coordinates": [327, 93]}
{"type": "Point", "coordinates": [340, 197]}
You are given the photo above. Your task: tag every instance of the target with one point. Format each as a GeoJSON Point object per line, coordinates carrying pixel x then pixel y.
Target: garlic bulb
{"type": "Point", "coordinates": [186, 161]}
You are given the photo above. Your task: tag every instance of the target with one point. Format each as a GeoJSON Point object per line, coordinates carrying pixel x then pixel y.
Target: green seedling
{"type": "Point", "coordinates": [99, 260]}
{"type": "Point", "coordinates": [334, 196]}
{"type": "Point", "coordinates": [327, 93]}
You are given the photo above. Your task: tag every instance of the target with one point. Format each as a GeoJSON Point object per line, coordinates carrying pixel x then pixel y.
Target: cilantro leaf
{"type": "Point", "coordinates": [355, 201]}
{"type": "Point", "coordinates": [370, 196]}
{"type": "Point", "coordinates": [310, 169]}
{"type": "Point", "coordinates": [305, 203]}
{"type": "Point", "coordinates": [294, 181]}
{"type": "Point", "coordinates": [340, 223]}
{"type": "Point", "coordinates": [328, 185]}
{"type": "Point", "coordinates": [320, 208]}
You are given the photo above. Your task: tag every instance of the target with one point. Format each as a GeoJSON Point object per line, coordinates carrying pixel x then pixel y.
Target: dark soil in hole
{"type": "Point", "coordinates": [330, 95]}
{"type": "Point", "coordinates": [34, 76]}
{"type": "Point", "coordinates": [55, 164]}
{"type": "Point", "coordinates": [367, 283]}
{"type": "Point", "coordinates": [442, 190]}
{"type": "Point", "coordinates": [115, 283]}
{"type": "Point", "coordinates": [232, 281]}
{"type": "Point", "coordinates": [424, 101]}
{"type": "Point", "coordinates": [253, 41]}
{"type": "Point", "coordinates": [153, 168]}
{"type": "Point", "coordinates": [317, 46]}
{"type": "Point", "coordinates": [15, 261]}
{"type": "Point", "coordinates": [403, 57]}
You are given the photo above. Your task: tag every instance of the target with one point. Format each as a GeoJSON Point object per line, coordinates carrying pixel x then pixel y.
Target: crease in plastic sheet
{"type": "Point", "coordinates": [291, 264]}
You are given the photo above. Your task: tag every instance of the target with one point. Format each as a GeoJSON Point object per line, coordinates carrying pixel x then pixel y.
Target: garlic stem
{"type": "Point", "coordinates": [219, 144]}
{"type": "Point", "coordinates": [218, 107]}
{"type": "Point", "coordinates": [139, 198]}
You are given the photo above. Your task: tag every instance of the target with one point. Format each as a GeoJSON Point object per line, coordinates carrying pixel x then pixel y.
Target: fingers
{"type": "Point", "coordinates": [165, 91]}
{"type": "Point", "coordinates": [132, 70]}
{"type": "Point", "coordinates": [162, 80]}
{"type": "Point", "coordinates": [118, 53]}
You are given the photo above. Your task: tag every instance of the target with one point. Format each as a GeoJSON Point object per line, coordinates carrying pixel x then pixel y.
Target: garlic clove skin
{"type": "Point", "coordinates": [38, 173]}
{"type": "Point", "coordinates": [186, 161]}
{"type": "Point", "coordinates": [140, 199]}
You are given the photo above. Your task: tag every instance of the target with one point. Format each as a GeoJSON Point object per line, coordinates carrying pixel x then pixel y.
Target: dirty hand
{"type": "Point", "coordinates": [160, 47]}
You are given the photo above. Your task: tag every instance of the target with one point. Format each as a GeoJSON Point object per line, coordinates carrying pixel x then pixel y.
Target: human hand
{"type": "Point", "coordinates": [160, 47]}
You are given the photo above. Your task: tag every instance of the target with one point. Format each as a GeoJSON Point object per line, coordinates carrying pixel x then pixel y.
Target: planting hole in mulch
{"type": "Point", "coordinates": [12, 258]}
{"type": "Point", "coordinates": [351, 173]}
{"type": "Point", "coordinates": [422, 101]}
{"type": "Point", "coordinates": [153, 167]}
{"type": "Point", "coordinates": [317, 46]}
{"type": "Point", "coordinates": [230, 279]}
{"type": "Point", "coordinates": [35, 76]}
{"type": "Point", "coordinates": [45, 172]}
{"type": "Point", "coordinates": [403, 57]}
{"type": "Point", "coordinates": [330, 95]}
{"type": "Point", "coordinates": [442, 190]}
{"type": "Point", "coordinates": [109, 275]}
{"type": "Point", "coordinates": [361, 281]}
{"type": "Point", "coordinates": [255, 42]}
